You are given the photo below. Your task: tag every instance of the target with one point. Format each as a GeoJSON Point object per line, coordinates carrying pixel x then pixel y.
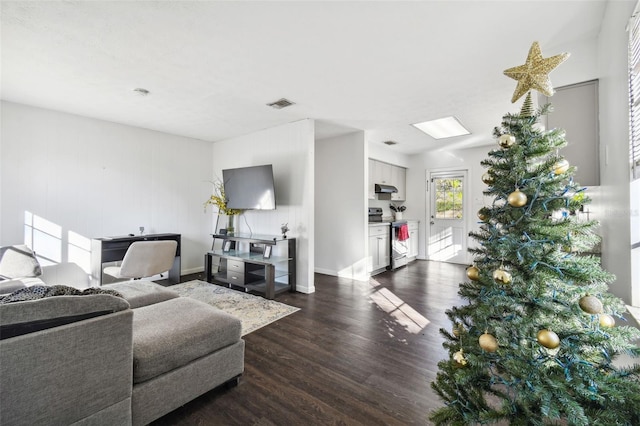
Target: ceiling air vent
{"type": "Point", "coordinates": [281, 103]}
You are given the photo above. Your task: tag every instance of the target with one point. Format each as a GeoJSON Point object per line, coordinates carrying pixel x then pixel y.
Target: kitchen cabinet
{"type": "Point", "coordinates": [372, 178]}
{"type": "Point", "coordinates": [379, 247]}
{"type": "Point", "coordinates": [414, 239]}
{"type": "Point", "coordinates": [387, 174]}
{"type": "Point", "coordinates": [399, 179]}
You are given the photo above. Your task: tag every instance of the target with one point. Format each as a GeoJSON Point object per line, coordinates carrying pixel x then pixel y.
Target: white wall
{"type": "Point", "coordinates": [340, 206]}
{"type": "Point", "coordinates": [379, 151]}
{"type": "Point", "coordinates": [290, 149]}
{"type": "Point", "coordinates": [418, 200]}
{"type": "Point", "coordinates": [93, 178]}
{"type": "Point", "coordinates": [614, 140]}
{"type": "Point", "coordinates": [581, 66]}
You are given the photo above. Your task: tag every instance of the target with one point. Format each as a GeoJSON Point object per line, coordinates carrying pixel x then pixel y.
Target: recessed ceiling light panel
{"type": "Point", "coordinates": [442, 128]}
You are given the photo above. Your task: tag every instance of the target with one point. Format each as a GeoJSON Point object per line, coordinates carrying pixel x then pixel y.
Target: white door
{"type": "Point", "coordinates": [447, 230]}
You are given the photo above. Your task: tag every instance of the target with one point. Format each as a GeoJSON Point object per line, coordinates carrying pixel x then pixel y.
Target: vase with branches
{"type": "Point", "coordinates": [219, 200]}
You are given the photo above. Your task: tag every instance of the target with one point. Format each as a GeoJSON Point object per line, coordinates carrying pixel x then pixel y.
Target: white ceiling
{"type": "Point", "coordinates": [211, 66]}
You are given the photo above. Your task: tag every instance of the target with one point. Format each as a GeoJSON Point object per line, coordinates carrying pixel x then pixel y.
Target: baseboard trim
{"type": "Point", "coordinates": [191, 271]}
{"type": "Point", "coordinates": [343, 275]}
{"type": "Point", "coordinates": [326, 272]}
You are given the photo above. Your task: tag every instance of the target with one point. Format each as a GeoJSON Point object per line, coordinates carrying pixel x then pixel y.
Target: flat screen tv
{"type": "Point", "coordinates": [250, 188]}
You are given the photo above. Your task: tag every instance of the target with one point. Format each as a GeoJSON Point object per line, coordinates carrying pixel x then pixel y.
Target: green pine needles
{"type": "Point", "coordinates": [550, 329]}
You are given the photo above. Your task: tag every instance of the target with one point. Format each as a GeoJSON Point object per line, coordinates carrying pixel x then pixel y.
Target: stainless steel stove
{"type": "Point", "coordinates": [399, 244]}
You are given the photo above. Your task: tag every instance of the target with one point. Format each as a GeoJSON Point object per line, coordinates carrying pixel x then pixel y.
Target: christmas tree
{"type": "Point", "coordinates": [536, 343]}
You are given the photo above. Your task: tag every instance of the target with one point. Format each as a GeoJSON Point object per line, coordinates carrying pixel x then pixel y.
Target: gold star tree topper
{"type": "Point", "coordinates": [534, 74]}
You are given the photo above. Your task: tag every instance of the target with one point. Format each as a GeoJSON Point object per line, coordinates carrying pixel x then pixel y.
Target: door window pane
{"type": "Point", "coordinates": [448, 198]}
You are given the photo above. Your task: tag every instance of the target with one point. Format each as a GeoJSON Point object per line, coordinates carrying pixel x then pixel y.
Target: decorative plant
{"type": "Point", "coordinates": [397, 208]}
{"type": "Point", "coordinates": [219, 200]}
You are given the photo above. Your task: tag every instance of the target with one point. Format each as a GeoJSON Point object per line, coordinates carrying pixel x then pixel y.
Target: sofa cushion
{"type": "Point", "coordinates": [34, 315]}
{"type": "Point", "coordinates": [142, 293]}
{"type": "Point", "coordinates": [18, 261]}
{"type": "Point", "coordinates": [171, 334]}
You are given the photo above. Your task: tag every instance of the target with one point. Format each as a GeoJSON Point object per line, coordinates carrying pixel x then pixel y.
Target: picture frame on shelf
{"type": "Point", "coordinates": [267, 252]}
{"type": "Point", "coordinates": [226, 246]}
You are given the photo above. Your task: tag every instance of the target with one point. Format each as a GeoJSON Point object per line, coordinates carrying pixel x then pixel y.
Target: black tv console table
{"type": "Point", "coordinates": [248, 267]}
{"type": "Point", "coordinates": [111, 249]}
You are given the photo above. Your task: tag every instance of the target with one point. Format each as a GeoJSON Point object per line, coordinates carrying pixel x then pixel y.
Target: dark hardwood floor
{"type": "Point", "coordinates": [356, 353]}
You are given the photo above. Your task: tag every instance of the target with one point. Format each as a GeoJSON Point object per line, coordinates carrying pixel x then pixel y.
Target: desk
{"type": "Point", "coordinates": [111, 249]}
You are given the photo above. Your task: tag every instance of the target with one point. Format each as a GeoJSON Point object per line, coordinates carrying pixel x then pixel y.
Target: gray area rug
{"type": "Point", "coordinates": [254, 311]}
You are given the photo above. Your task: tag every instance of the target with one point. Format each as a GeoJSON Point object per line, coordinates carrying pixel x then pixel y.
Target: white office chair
{"type": "Point", "coordinates": [145, 259]}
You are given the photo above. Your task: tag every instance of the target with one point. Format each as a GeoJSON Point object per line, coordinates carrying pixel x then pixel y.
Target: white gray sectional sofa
{"type": "Point", "coordinates": [98, 359]}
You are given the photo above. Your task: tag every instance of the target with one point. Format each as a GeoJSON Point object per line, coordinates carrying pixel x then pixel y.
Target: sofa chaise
{"type": "Point", "coordinates": [97, 359]}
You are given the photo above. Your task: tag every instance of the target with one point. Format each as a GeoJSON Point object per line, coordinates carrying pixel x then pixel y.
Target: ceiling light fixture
{"type": "Point", "coordinates": [281, 103]}
{"type": "Point", "coordinates": [442, 128]}
{"type": "Point", "coordinates": [140, 91]}
{"type": "Point", "coordinates": [389, 143]}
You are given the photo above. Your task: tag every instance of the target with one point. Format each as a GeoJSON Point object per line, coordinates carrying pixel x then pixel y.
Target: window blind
{"type": "Point", "coordinates": [634, 93]}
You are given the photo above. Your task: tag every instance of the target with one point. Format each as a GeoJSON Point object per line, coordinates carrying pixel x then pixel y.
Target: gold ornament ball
{"type": "Point", "coordinates": [488, 342]}
{"type": "Point", "coordinates": [506, 141]}
{"type": "Point", "coordinates": [561, 167]}
{"type": "Point", "coordinates": [606, 321]}
{"type": "Point", "coordinates": [473, 273]}
{"type": "Point", "coordinates": [487, 178]}
{"type": "Point", "coordinates": [590, 304]}
{"type": "Point", "coordinates": [459, 358]}
{"type": "Point", "coordinates": [517, 198]}
{"type": "Point", "coordinates": [483, 214]}
{"type": "Point", "coordinates": [548, 339]}
{"type": "Point", "coordinates": [501, 276]}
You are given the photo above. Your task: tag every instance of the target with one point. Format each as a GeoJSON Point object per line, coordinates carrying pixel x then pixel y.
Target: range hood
{"type": "Point", "coordinates": [384, 189]}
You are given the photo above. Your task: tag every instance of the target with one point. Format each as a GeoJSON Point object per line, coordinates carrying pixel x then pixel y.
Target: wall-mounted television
{"type": "Point", "coordinates": [250, 188]}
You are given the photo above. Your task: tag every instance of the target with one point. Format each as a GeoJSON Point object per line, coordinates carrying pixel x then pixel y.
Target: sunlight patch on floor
{"type": "Point", "coordinates": [403, 314]}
